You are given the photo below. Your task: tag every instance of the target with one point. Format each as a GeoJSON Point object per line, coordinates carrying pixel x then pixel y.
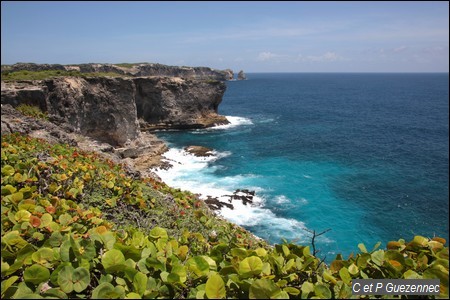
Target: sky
{"type": "Point", "coordinates": [265, 36]}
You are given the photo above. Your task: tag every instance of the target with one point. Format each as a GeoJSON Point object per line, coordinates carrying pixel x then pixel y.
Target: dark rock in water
{"type": "Point", "coordinates": [216, 204]}
{"type": "Point", "coordinates": [241, 75]}
{"type": "Point", "coordinates": [245, 196]}
{"type": "Point", "coordinates": [199, 151]}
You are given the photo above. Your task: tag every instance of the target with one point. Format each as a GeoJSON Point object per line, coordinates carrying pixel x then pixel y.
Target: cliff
{"type": "Point", "coordinates": [135, 70]}
{"type": "Point", "coordinates": [108, 109]}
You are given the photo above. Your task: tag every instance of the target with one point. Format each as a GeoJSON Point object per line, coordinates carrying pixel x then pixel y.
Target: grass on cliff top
{"type": "Point", "coordinates": [75, 225]}
{"type": "Point", "coordinates": [42, 75]}
{"type": "Point", "coordinates": [129, 65]}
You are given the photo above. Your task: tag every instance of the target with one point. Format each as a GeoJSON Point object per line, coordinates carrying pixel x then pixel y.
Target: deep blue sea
{"type": "Point", "coordinates": [365, 155]}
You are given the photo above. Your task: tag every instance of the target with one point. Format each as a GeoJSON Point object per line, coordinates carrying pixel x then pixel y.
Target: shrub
{"type": "Point", "coordinates": [32, 111]}
{"type": "Point", "coordinates": [60, 238]}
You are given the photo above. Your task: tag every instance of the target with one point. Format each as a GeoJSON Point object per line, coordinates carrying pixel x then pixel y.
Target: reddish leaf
{"type": "Point", "coordinates": [35, 221]}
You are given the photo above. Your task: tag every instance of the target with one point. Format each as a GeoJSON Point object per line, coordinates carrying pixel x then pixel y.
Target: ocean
{"type": "Point", "coordinates": [365, 155]}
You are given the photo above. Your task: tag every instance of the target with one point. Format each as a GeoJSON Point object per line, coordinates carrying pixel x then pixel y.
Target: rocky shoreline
{"type": "Point", "coordinates": [114, 116]}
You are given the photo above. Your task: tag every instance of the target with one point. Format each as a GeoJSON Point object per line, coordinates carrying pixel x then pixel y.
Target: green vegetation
{"type": "Point", "coordinates": [42, 75]}
{"type": "Point", "coordinates": [32, 111]}
{"type": "Point", "coordinates": [75, 225]}
{"type": "Point", "coordinates": [129, 65]}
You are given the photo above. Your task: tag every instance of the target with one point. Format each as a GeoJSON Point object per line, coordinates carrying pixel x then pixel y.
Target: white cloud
{"type": "Point", "coordinates": [326, 57]}
{"type": "Point", "coordinates": [264, 56]}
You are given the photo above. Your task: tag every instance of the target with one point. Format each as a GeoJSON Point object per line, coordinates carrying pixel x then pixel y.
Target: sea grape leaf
{"type": "Point", "coordinates": [322, 291]}
{"type": "Point", "coordinates": [410, 274]}
{"type": "Point", "coordinates": [307, 287]}
{"type": "Point", "coordinates": [264, 289]}
{"type": "Point", "coordinates": [43, 256]}
{"type": "Point", "coordinates": [180, 271]}
{"type": "Point", "coordinates": [215, 287]}
{"type": "Point", "coordinates": [158, 233]}
{"type": "Point", "coordinates": [36, 274]}
{"type": "Point", "coordinates": [6, 284]}
{"type": "Point", "coordinates": [345, 275]}
{"type": "Point", "coordinates": [378, 257]}
{"type": "Point", "coordinates": [140, 283]}
{"type": "Point", "coordinates": [65, 279]}
{"type": "Point", "coordinates": [353, 269]}
{"type": "Point", "coordinates": [198, 265]}
{"type": "Point", "coordinates": [13, 238]}
{"type": "Point", "coordinates": [81, 279]}
{"type": "Point", "coordinates": [112, 258]}
{"type": "Point", "coordinates": [252, 265]}
{"type": "Point", "coordinates": [106, 290]}
{"type": "Point", "coordinates": [362, 248]}
{"type": "Point", "coordinates": [291, 290]}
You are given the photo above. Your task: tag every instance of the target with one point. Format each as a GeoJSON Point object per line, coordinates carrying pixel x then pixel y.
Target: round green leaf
{"type": "Point", "coordinates": [112, 258]}
{"type": "Point", "coordinates": [322, 291]}
{"type": "Point", "coordinates": [410, 274]}
{"type": "Point", "coordinates": [215, 287]}
{"type": "Point", "coordinates": [22, 215]}
{"type": "Point", "coordinates": [8, 190]}
{"type": "Point", "coordinates": [106, 290]}
{"type": "Point", "coordinates": [353, 269]}
{"type": "Point", "coordinates": [43, 256]}
{"type": "Point", "coordinates": [133, 296]}
{"type": "Point", "coordinates": [8, 170]}
{"type": "Point", "coordinates": [6, 284]}
{"type": "Point", "coordinates": [65, 279]}
{"type": "Point", "coordinates": [140, 283]}
{"type": "Point", "coordinates": [252, 265]}
{"type": "Point", "coordinates": [81, 279]}
{"type": "Point", "coordinates": [345, 275]}
{"type": "Point", "coordinates": [307, 287]}
{"type": "Point", "coordinates": [36, 274]}
{"type": "Point", "coordinates": [291, 290]}
{"type": "Point", "coordinates": [158, 233]}
{"type": "Point", "coordinates": [198, 265]}
{"type": "Point", "coordinates": [264, 289]}
{"type": "Point", "coordinates": [180, 271]}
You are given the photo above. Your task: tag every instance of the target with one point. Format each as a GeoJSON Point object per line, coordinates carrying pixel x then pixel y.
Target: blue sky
{"type": "Point", "coordinates": [253, 36]}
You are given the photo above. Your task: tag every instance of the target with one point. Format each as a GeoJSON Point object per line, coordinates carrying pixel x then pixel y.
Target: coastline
{"type": "Point", "coordinates": [231, 198]}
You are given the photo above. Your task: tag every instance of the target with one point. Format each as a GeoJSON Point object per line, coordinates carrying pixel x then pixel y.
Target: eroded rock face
{"type": "Point", "coordinates": [171, 102]}
{"type": "Point", "coordinates": [102, 108]}
{"type": "Point", "coordinates": [107, 109]}
{"type": "Point", "coordinates": [25, 92]}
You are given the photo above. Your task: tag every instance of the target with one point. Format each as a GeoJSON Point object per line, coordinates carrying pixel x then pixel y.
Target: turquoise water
{"type": "Point", "coordinates": [365, 155]}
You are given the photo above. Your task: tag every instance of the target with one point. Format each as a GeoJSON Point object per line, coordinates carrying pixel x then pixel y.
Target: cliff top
{"type": "Point", "coordinates": [30, 71]}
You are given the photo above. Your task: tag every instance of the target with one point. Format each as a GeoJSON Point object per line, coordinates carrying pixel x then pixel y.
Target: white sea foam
{"type": "Point", "coordinates": [234, 122]}
{"type": "Point", "coordinates": [189, 172]}
{"type": "Point", "coordinates": [281, 199]}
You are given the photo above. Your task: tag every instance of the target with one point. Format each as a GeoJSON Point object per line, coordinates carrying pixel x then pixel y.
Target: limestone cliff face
{"type": "Point", "coordinates": [165, 102]}
{"type": "Point", "coordinates": [102, 108]}
{"type": "Point", "coordinates": [108, 109]}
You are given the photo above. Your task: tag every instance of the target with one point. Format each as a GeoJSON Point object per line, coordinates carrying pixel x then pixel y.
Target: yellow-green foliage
{"type": "Point", "coordinates": [129, 65]}
{"type": "Point", "coordinates": [77, 226]}
{"type": "Point", "coordinates": [32, 111]}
